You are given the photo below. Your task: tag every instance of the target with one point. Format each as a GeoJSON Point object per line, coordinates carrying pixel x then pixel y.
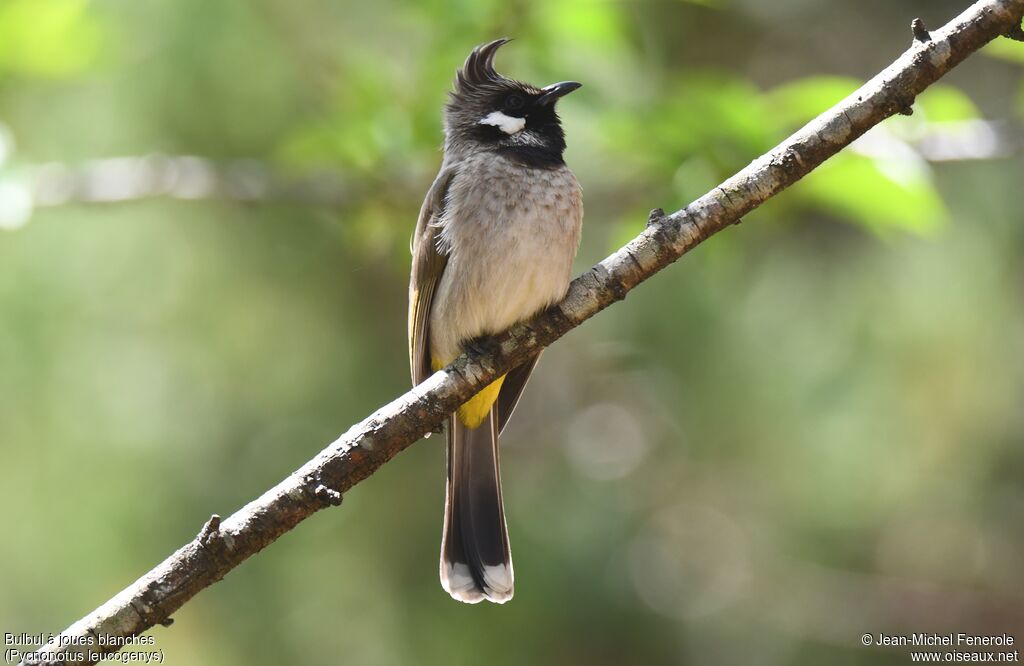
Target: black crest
{"type": "Point", "coordinates": [480, 90]}
{"type": "Point", "coordinates": [478, 71]}
{"type": "Point", "coordinates": [478, 76]}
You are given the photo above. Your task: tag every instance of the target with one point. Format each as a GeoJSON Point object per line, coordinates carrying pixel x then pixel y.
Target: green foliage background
{"type": "Point", "coordinates": [808, 429]}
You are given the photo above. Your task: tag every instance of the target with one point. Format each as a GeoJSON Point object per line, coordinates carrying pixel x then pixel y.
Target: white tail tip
{"type": "Point", "coordinates": [457, 581]}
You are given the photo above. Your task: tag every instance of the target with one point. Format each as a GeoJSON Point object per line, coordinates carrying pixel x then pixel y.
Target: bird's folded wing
{"type": "Point", "coordinates": [512, 390]}
{"type": "Point", "coordinates": [427, 266]}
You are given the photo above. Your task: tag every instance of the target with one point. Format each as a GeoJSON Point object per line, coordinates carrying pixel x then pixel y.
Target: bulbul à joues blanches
{"type": "Point", "coordinates": [494, 245]}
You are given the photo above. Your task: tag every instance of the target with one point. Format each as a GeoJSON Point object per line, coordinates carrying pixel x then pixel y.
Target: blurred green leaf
{"type": "Point", "coordinates": [1005, 49]}
{"type": "Point", "coordinates": [944, 103]}
{"type": "Point", "coordinates": [715, 115]}
{"type": "Point", "coordinates": [693, 178]}
{"type": "Point", "coordinates": [853, 186]}
{"type": "Point", "coordinates": [797, 102]}
{"type": "Point", "coordinates": [50, 38]}
{"type": "Point", "coordinates": [596, 23]}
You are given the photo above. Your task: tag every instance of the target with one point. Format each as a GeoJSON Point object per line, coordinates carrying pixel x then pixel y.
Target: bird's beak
{"type": "Point", "coordinates": [556, 90]}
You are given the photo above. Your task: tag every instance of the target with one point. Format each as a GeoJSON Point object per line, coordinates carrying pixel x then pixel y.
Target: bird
{"type": "Point", "coordinates": [493, 246]}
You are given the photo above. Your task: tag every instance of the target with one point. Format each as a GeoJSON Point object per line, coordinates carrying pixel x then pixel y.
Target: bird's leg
{"type": "Point", "coordinates": [479, 346]}
{"type": "Point", "coordinates": [439, 428]}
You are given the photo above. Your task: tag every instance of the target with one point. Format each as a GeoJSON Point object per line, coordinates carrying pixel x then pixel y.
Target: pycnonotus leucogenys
{"type": "Point", "coordinates": [493, 246]}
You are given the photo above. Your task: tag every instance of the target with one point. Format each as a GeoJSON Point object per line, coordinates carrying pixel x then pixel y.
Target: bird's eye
{"type": "Point", "coordinates": [514, 102]}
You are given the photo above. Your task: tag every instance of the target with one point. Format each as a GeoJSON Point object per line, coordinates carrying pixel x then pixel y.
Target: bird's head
{"type": "Point", "coordinates": [489, 111]}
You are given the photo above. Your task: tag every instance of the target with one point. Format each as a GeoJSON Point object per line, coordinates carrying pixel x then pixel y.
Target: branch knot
{"type": "Point", "coordinates": [921, 33]}
{"type": "Point", "coordinates": [210, 534]}
{"type": "Point", "coordinates": [329, 496]}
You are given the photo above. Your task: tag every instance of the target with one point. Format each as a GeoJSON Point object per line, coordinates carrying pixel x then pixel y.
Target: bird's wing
{"type": "Point", "coordinates": [512, 390]}
{"type": "Point", "coordinates": [427, 266]}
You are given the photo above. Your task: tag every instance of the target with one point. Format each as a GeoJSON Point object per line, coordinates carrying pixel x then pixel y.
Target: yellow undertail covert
{"type": "Point", "coordinates": [475, 410]}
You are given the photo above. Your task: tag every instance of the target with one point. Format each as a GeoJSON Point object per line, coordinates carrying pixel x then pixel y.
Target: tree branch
{"type": "Point", "coordinates": [223, 545]}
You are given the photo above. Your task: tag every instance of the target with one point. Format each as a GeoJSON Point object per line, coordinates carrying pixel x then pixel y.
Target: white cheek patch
{"type": "Point", "coordinates": [507, 124]}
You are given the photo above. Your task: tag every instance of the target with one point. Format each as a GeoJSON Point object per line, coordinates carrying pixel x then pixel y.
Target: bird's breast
{"type": "Point", "coordinates": [511, 233]}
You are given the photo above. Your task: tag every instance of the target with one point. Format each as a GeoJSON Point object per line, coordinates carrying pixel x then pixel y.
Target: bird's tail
{"type": "Point", "coordinates": [476, 562]}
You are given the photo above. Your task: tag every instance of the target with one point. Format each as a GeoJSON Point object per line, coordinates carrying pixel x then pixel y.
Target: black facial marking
{"type": "Point", "coordinates": [540, 143]}
{"type": "Point", "coordinates": [480, 91]}
{"type": "Point", "coordinates": [537, 157]}
{"type": "Point", "coordinates": [514, 102]}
